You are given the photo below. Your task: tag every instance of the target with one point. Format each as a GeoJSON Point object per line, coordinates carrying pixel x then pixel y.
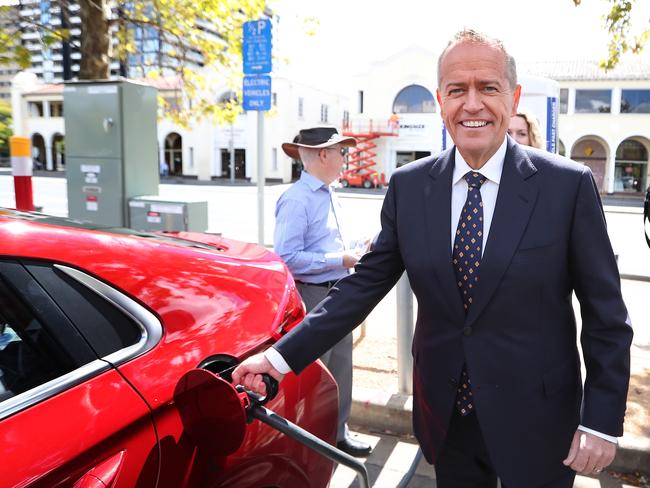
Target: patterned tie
{"type": "Point", "coordinates": [466, 259]}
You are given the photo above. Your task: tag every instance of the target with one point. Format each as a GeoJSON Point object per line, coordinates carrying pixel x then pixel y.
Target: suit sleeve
{"type": "Point", "coordinates": [352, 299]}
{"type": "Point", "coordinates": [606, 332]}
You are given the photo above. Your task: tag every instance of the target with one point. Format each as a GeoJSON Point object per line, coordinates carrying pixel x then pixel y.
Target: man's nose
{"type": "Point", "coordinates": [473, 100]}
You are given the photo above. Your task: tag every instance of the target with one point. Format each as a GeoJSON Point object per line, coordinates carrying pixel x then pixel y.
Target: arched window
{"type": "Point", "coordinates": [414, 99]}
{"type": "Point", "coordinates": [39, 157]}
{"type": "Point", "coordinates": [58, 151]}
{"type": "Point", "coordinates": [174, 153]}
{"type": "Point", "coordinates": [631, 150]}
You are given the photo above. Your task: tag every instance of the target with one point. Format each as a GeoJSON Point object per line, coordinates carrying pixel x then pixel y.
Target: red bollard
{"type": "Point", "coordinates": [21, 168]}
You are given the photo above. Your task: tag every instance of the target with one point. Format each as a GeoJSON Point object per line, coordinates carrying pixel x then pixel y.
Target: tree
{"type": "Point", "coordinates": [618, 23]}
{"type": "Point", "coordinates": [5, 128]}
{"type": "Point", "coordinates": [185, 35]}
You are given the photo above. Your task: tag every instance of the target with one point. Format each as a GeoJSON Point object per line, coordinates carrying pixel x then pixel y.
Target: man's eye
{"type": "Point", "coordinates": [455, 91]}
{"type": "Point", "coordinates": [490, 89]}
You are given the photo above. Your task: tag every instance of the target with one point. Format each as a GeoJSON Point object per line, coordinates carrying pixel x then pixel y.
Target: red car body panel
{"type": "Point", "coordinates": [230, 300]}
{"type": "Point", "coordinates": [49, 446]}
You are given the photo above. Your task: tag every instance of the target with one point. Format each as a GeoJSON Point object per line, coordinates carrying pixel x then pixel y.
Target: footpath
{"type": "Point", "coordinates": [379, 406]}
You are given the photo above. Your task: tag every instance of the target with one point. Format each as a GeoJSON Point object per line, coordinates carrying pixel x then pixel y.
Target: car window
{"type": "Point", "coordinates": [104, 325]}
{"type": "Point", "coordinates": [29, 355]}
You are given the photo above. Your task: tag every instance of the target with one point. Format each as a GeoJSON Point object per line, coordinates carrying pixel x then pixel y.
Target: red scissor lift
{"type": "Point", "coordinates": [360, 169]}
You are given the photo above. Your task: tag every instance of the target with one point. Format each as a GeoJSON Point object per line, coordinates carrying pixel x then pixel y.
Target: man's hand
{"type": "Point", "coordinates": [589, 454]}
{"type": "Point", "coordinates": [249, 373]}
{"type": "Point", "coordinates": [350, 259]}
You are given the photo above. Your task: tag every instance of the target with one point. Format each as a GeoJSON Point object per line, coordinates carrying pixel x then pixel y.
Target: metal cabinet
{"type": "Point", "coordinates": [155, 213]}
{"type": "Point", "coordinates": [111, 148]}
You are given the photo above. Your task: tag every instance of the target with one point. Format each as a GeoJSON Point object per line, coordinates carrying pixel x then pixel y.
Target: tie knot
{"type": "Point", "coordinates": [474, 179]}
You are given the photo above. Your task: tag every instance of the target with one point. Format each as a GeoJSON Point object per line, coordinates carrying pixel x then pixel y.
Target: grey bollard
{"type": "Point", "coordinates": [404, 335]}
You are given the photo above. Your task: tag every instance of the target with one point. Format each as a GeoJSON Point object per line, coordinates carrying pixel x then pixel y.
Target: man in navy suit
{"type": "Point", "coordinates": [495, 238]}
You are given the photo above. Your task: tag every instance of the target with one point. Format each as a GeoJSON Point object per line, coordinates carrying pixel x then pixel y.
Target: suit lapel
{"type": "Point", "coordinates": [514, 205]}
{"type": "Point", "coordinates": [437, 204]}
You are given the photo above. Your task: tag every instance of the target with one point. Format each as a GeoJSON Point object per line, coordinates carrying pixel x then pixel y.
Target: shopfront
{"type": "Point", "coordinates": [631, 168]}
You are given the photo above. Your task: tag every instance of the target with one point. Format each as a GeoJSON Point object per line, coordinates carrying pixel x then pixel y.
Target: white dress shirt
{"type": "Point", "coordinates": [491, 170]}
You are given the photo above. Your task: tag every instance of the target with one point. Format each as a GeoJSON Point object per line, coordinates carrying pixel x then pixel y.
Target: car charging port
{"type": "Point", "coordinates": [212, 408]}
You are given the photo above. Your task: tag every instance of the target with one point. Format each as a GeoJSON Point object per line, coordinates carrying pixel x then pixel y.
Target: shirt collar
{"type": "Point", "coordinates": [312, 182]}
{"type": "Point", "coordinates": [492, 169]}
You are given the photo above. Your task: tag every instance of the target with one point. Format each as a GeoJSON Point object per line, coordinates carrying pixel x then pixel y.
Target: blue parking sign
{"type": "Point", "coordinates": [257, 48]}
{"type": "Point", "coordinates": [257, 92]}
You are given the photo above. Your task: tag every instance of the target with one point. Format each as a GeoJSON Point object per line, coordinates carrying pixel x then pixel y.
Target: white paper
{"type": "Point", "coordinates": [91, 168]}
{"type": "Point", "coordinates": [167, 208]}
{"type": "Point", "coordinates": [94, 90]}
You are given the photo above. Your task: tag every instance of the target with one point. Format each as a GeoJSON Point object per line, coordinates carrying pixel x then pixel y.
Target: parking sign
{"type": "Point", "coordinates": [257, 47]}
{"type": "Point", "coordinates": [257, 92]}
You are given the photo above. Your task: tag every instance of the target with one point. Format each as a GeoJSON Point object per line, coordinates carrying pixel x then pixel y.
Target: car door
{"type": "Point", "coordinates": [67, 416]}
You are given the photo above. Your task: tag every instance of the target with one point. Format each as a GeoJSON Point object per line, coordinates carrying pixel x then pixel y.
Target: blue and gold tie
{"type": "Point", "coordinates": [466, 259]}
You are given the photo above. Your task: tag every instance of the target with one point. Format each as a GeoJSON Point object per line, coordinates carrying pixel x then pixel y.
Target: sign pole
{"type": "Point", "coordinates": [257, 58]}
{"type": "Point", "coordinates": [260, 178]}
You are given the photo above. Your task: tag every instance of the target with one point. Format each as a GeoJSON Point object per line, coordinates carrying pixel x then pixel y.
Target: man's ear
{"type": "Point", "coordinates": [516, 96]}
{"type": "Point", "coordinates": [439, 98]}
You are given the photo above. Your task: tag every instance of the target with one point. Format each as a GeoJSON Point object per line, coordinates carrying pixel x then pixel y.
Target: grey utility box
{"type": "Point", "coordinates": [156, 213]}
{"type": "Point", "coordinates": [111, 148]}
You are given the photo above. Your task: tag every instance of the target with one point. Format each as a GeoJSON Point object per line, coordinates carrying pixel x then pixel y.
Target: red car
{"type": "Point", "coordinates": [99, 328]}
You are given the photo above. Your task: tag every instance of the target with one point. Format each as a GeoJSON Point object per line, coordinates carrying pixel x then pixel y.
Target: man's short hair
{"type": "Point", "coordinates": [471, 35]}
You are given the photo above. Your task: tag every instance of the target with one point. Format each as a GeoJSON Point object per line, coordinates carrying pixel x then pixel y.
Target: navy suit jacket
{"type": "Point", "coordinates": [547, 239]}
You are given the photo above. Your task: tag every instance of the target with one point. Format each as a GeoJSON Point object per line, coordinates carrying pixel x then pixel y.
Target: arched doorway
{"type": "Point", "coordinates": [414, 99]}
{"type": "Point", "coordinates": [592, 152]}
{"type": "Point", "coordinates": [174, 153]}
{"type": "Point", "coordinates": [631, 169]}
{"type": "Point", "coordinates": [58, 152]}
{"type": "Point", "coordinates": [38, 151]}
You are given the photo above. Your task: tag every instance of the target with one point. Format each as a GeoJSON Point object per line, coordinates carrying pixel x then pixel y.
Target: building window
{"type": "Point", "coordinates": [631, 150]}
{"type": "Point", "coordinates": [274, 98]}
{"type": "Point", "coordinates": [301, 107]}
{"type": "Point", "coordinates": [346, 118]}
{"type": "Point", "coordinates": [635, 101]}
{"type": "Point", "coordinates": [323, 113]}
{"type": "Point", "coordinates": [56, 109]}
{"type": "Point", "coordinates": [593, 101]}
{"type": "Point", "coordinates": [414, 99]}
{"type": "Point", "coordinates": [360, 101]}
{"type": "Point", "coordinates": [564, 100]}
{"type": "Point", "coordinates": [35, 109]}
{"type": "Point", "coordinates": [274, 159]}
{"type": "Point", "coordinates": [631, 169]}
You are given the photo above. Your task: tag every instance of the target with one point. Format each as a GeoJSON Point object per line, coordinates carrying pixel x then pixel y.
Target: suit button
{"type": "Point", "coordinates": [467, 331]}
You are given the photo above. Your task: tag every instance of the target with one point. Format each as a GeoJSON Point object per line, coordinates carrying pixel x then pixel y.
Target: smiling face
{"type": "Point", "coordinates": [518, 130]}
{"type": "Point", "coordinates": [476, 99]}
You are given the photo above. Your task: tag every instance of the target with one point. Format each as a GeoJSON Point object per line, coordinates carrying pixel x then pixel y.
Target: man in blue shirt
{"type": "Point", "coordinates": [309, 238]}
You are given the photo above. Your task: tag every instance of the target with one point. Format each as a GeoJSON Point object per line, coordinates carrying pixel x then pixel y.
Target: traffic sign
{"type": "Point", "coordinates": [257, 47]}
{"type": "Point", "coordinates": [257, 92]}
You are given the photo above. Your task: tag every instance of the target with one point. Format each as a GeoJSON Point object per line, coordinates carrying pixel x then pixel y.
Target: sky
{"type": "Point", "coordinates": [353, 33]}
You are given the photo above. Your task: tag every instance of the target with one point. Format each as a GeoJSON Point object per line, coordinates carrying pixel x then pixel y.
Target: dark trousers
{"type": "Point", "coordinates": [464, 461]}
{"type": "Point", "coordinates": [338, 360]}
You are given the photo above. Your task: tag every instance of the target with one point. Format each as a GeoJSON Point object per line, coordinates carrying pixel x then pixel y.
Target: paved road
{"type": "Point", "coordinates": [232, 211]}
{"type": "Point", "coordinates": [392, 456]}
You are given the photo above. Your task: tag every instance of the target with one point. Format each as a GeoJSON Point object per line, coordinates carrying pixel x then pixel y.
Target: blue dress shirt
{"type": "Point", "coordinates": [307, 231]}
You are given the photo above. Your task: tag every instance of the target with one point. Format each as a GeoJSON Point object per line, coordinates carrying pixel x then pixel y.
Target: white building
{"type": "Point", "coordinates": [202, 150]}
{"type": "Point", "coordinates": [605, 119]}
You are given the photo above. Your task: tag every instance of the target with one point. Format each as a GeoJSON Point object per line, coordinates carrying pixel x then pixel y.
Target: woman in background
{"type": "Point", "coordinates": [525, 130]}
